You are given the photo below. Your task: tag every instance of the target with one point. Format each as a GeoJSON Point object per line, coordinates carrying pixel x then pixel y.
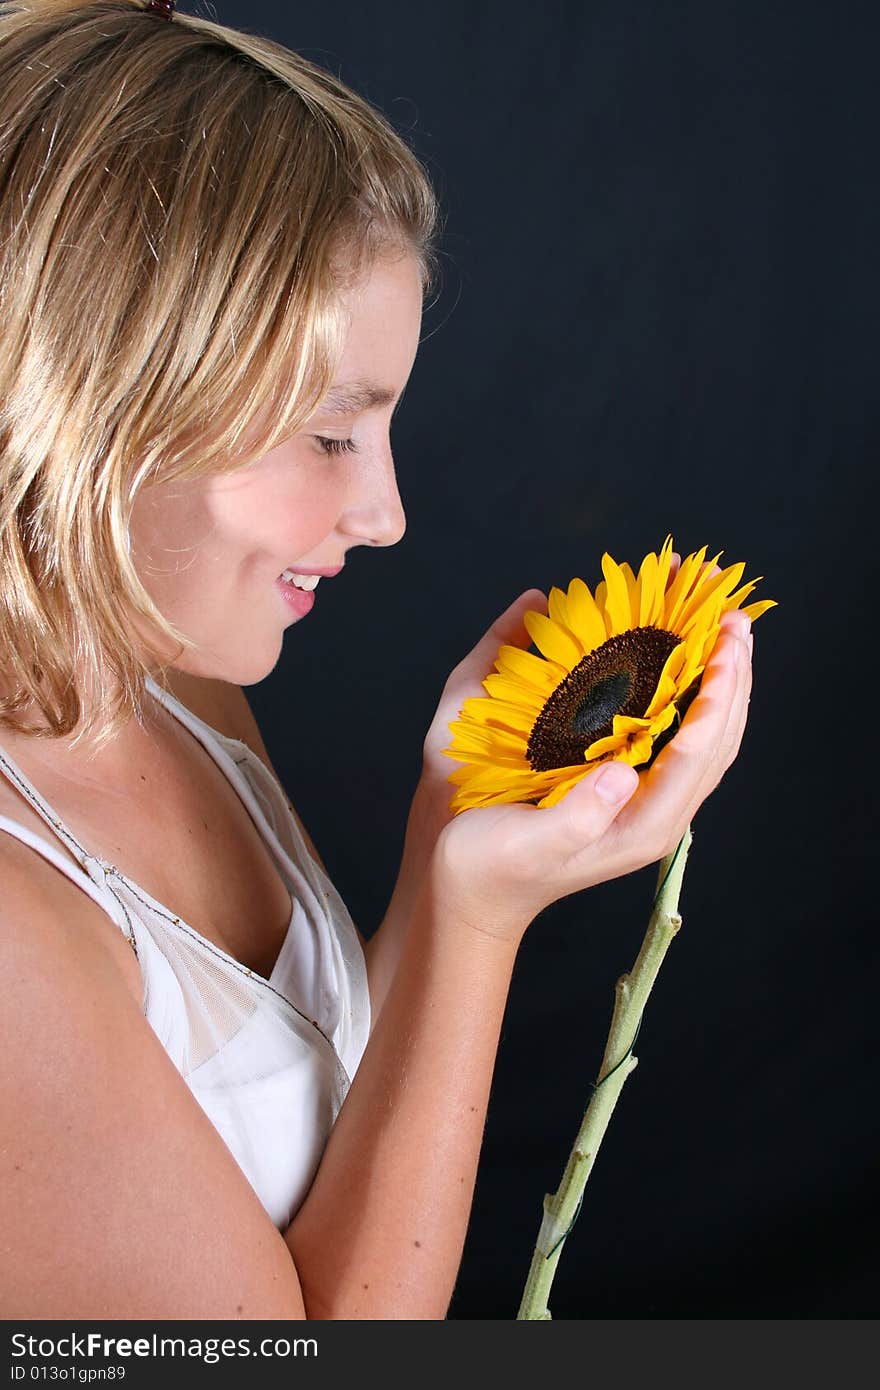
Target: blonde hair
{"type": "Point", "coordinates": [181, 207]}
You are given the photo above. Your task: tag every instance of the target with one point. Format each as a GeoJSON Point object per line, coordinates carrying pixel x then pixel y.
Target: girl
{"type": "Point", "coordinates": [217, 1100]}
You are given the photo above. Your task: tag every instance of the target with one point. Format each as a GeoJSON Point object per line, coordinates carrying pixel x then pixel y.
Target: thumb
{"type": "Point", "coordinates": [585, 812]}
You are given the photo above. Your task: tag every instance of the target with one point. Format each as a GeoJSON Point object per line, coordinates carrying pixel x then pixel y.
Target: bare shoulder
{"type": "Point", "coordinates": [42, 910]}
{"type": "Point", "coordinates": [118, 1198]}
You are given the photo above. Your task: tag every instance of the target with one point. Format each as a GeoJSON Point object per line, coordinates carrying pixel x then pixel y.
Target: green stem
{"type": "Point", "coordinates": [630, 996]}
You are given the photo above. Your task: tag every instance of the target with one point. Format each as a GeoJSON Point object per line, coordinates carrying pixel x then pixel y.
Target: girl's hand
{"type": "Point", "coordinates": [498, 867]}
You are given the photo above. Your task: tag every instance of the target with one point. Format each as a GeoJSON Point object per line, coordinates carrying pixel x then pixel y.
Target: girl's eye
{"type": "Point", "coordinates": [336, 446]}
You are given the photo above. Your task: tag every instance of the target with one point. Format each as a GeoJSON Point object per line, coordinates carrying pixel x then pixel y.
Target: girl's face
{"type": "Point", "coordinates": [210, 551]}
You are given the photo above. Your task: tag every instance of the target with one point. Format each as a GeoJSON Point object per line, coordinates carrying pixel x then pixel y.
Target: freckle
{"type": "Point", "coordinates": [366, 1286]}
{"type": "Point", "coordinates": [143, 778]}
{"type": "Point", "coordinates": [239, 1307]}
{"type": "Point", "coordinates": [418, 1243]}
{"type": "Point", "coordinates": [17, 1167]}
{"type": "Point", "coordinates": [473, 1109]}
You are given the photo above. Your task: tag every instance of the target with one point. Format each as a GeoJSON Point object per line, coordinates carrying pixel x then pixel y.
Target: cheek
{"type": "Point", "coordinates": [166, 535]}
{"type": "Point", "coordinates": [278, 519]}
{"type": "Point", "coordinates": [311, 506]}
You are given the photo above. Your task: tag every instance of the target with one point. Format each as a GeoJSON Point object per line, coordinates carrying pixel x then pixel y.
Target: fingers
{"type": "Point", "coordinates": [675, 566]}
{"type": "Point", "coordinates": [733, 654]}
{"type": "Point", "coordinates": [556, 835]}
{"type": "Point", "coordinates": [696, 758]}
{"type": "Point", "coordinates": [739, 709]}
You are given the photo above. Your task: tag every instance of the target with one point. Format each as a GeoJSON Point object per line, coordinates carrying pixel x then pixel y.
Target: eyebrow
{"type": "Point", "coordinates": [352, 396]}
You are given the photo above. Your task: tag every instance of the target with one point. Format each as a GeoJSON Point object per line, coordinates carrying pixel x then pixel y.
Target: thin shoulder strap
{"type": "Point", "coordinates": [93, 872]}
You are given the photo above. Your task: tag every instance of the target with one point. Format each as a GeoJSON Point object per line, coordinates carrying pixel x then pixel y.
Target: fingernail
{"type": "Point", "coordinates": [741, 624]}
{"type": "Point", "coordinates": [751, 641]}
{"type": "Point", "coordinates": [616, 782]}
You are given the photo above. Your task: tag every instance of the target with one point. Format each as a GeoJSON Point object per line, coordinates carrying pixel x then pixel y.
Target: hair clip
{"type": "Point", "coordinates": [165, 8]}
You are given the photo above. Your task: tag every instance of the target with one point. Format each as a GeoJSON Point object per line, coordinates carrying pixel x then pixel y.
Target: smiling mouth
{"type": "Point", "coordinates": [305, 582]}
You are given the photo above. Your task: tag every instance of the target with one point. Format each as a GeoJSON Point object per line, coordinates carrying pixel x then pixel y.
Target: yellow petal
{"type": "Point", "coordinates": [483, 736]}
{"type": "Point", "coordinates": [639, 749]}
{"type": "Point", "coordinates": [600, 604]}
{"type": "Point", "coordinates": [485, 779]}
{"type": "Point", "coordinates": [734, 600]}
{"type": "Point", "coordinates": [560, 613]}
{"type": "Point", "coordinates": [719, 585]}
{"type": "Point", "coordinates": [486, 711]}
{"type": "Point", "coordinates": [755, 610]}
{"type": "Point", "coordinates": [668, 683]}
{"type": "Point", "coordinates": [555, 642]}
{"type": "Point", "coordinates": [706, 615]}
{"type": "Point", "coordinates": [602, 746]}
{"type": "Point", "coordinates": [617, 604]}
{"type": "Point", "coordinates": [533, 670]}
{"type": "Point", "coordinates": [650, 593]}
{"type": "Point", "coordinates": [628, 724]}
{"type": "Point", "coordinates": [526, 790]}
{"type": "Point", "coordinates": [478, 758]}
{"type": "Point", "coordinates": [662, 720]}
{"type": "Point", "coordinates": [665, 561]}
{"type": "Point", "coordinates": [631, 748]}
{"type": "Point", "coordinates": [562, 788]}
{"type": "Point", "coordinates": [588, 623]}
{"type": "Point", "coordinates": [698, 578]}
{"type": "Point", "coordinates": [681, 585]}
{"type": "Point", "coordinates": [502, 688]}
{"type": "Point", "coordinates": [557, 608]}
{"type": "Point", "coordinates": [633, 589]}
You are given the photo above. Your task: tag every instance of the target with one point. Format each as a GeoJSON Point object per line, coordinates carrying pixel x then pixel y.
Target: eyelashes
{"type": "Point", "coordinates": [336, 446]}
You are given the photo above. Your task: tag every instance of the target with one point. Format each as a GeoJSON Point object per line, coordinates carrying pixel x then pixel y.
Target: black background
{"type": "Point", "coordinates": [658, 313]}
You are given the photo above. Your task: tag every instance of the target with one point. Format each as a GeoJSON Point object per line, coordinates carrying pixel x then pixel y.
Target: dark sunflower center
{"type": "Point", "coordinates": [619, 677]}
{"type": "Point", "coordinates": [606, 698]}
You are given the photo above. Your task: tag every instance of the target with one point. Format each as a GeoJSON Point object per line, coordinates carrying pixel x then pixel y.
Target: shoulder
{"type": "Point", "coordinates": [79, 1056]}
{"type": "Point", "coordinates": [44, 917]}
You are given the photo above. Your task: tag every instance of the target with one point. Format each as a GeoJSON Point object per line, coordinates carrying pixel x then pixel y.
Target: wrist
{"type": "Point", "coordinates": [458, 909]}
{"type": "Point", "coordinates": [429, 811]}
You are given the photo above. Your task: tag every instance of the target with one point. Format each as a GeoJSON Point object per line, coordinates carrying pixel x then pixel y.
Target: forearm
{"type": "Point", "coordinates": [428, 814]}
{"type": "Point", "coordinates": [383, 950]}
{"type": "Point", "coordinates": [381, 1232]}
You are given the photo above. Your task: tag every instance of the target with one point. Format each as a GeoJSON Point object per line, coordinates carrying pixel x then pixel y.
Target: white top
{"type": "Point", "coordinates": [269, 1061]}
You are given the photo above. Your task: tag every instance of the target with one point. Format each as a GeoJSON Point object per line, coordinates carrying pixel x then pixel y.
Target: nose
{"type": "Point", "coordinates": [378, 517]}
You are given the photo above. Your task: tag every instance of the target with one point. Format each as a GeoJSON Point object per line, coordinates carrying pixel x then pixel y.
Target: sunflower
{"type": "Point", "coordinates": [618, 671]}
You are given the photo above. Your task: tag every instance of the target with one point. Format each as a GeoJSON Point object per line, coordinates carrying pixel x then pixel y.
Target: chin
{"type": "Point", "coordinates": [239, 669]}
{"type": "Point", "coordinates": [244, 672]}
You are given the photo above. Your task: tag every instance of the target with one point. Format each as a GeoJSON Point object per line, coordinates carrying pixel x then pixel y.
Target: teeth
{"type": "Point", "coordinates": [301, 581]}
